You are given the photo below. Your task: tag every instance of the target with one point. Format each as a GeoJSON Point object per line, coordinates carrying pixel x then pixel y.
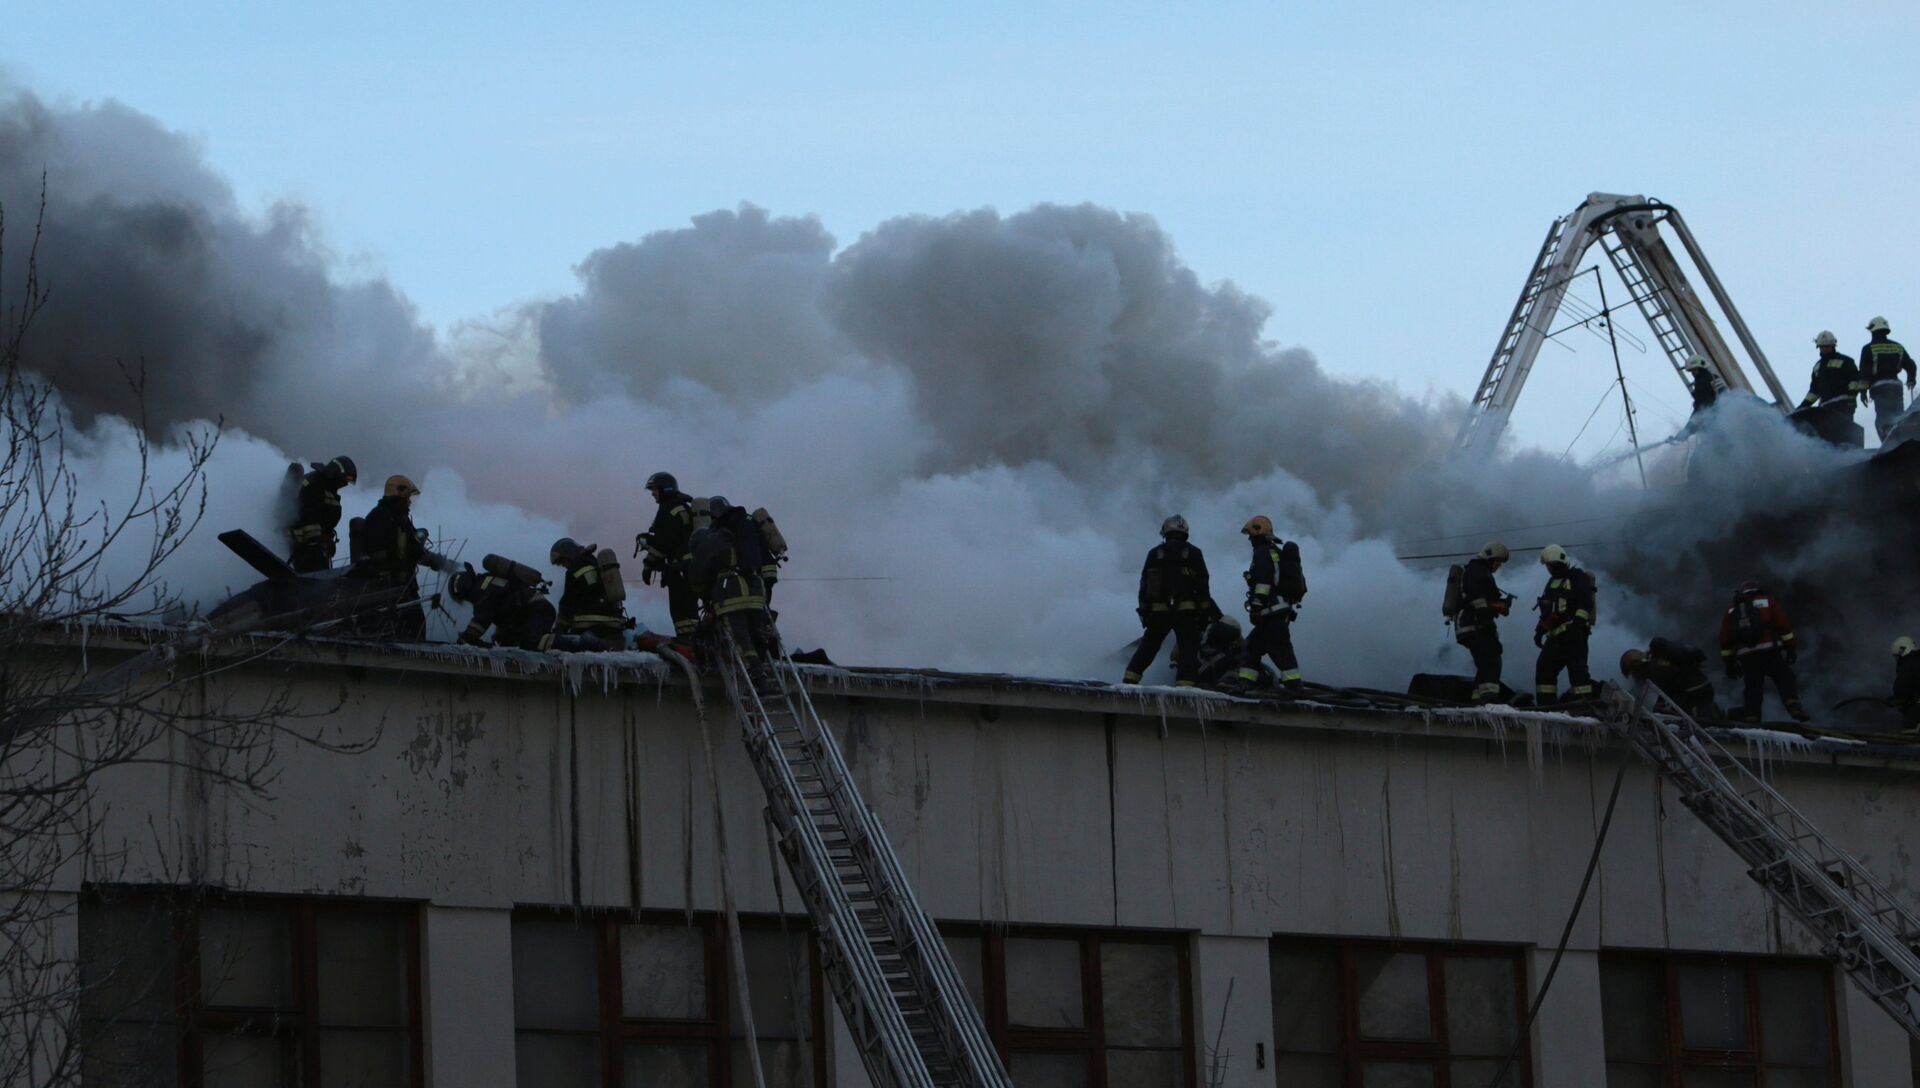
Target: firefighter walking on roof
{"type": "Point", "coordinates": [1566, 621]}
{"type": "Point", "coordinates": [1757, 644]}
{"type": "Point", "coordinates": [1474, 604]}
{"type": "Point", "coordinates": [1275, 586]}
{"type": "Point", "coordinates": [1175, 598]}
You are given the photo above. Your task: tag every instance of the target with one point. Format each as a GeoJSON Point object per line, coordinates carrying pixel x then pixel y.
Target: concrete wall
{"type": "Point", "coordinates": [477, 792]}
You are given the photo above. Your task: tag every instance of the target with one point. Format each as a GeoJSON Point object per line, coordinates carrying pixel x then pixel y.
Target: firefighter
{"type": "Point", "coordinates": [1756, 643]}
{"type": "Point", "coordinates": [1273, 599]}
{"type": "Point", "coordinates": [1677, 669]}
{"type": "Point", "coordinates": [1883, 362]}
{"type": "Point", "coordinates": [586, 607]}
{"type": "Point", "coordinates": [668, 545]}
{"type": "Point", "coordinates": [756, 562]}
{"type": "Point", "coordinates": [1482, 603]}
{"type": "Point", "coordinates": [1701, 381]}
{"type": "Point", "coordinates": [713, 574]}
{"type": "Point", "coordinates": [1217, 664]}
{"type": "Point", "coordinates": [1566, 610]}
{"type": "Point", "coordinates": [318, 514]}
{"type": "Point", "coordinates": [1836, 381]}
{"type": "Point", "coordinates": [391, 547]}
{"type": "Point", "coordinates": [519, 614]}
{"type": "Point", "coordinates": [1906, 683]}
{"type": "Point", "coordinates": [1175, 598]}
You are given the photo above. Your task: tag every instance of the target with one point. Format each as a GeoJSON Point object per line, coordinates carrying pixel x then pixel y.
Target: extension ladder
{"type": "Point", "coordinates": [1649, 296]}
{"type": "Point", "coordinates": [890, 972]}
{"type": "Point", "coordinates": [1540, 295]}
{"type": "Point", "coordinates": [1863, 928]}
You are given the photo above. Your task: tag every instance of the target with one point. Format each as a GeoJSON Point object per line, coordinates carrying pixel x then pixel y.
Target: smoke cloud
{"type": "Point", "coordinates": [969, 426]}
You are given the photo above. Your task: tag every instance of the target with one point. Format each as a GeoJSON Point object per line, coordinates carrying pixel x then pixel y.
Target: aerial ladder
{"type": "Point", "coordinates": [1627, 228]}
{"type": "Point", "coordinates": [890, 972]}
{"type": "Point", "coordinates": [1861, 926]}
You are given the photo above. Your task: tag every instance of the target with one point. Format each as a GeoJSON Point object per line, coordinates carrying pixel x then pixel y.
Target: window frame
{"type": "Point", "coordinates": [1091, 1040]}
{"type": "Point", "coordinates": [195, 1021]}
{"type": "Point", "coordinates": [1679, 1059]}
{"type": "Point", "coordinates": [715, 1030]}
{"type": "Point", "coordinates": [1356, 1050]}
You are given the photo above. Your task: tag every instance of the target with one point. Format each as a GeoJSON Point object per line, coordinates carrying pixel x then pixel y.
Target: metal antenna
{"type": "Point", "coordinates": [1633, 432]}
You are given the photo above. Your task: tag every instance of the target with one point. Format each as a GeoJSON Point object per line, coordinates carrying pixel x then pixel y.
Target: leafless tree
{"type": "Point", "coordinates": [93, 679]}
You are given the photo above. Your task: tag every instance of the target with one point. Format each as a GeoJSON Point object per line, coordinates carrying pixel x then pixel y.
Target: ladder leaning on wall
{"type": "Point", "coordinates": [889, 970]}
{"type": "Point", "coordinates": [1861, 926]}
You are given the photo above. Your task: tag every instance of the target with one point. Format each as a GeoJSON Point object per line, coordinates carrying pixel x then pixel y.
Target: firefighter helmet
{"type": "Point", "coordinates": [662, 481]}
{"type": "Point", "coordinates": [1825, 339]}
{"type": "Point", "coordinates": [1551, 554]}
{"type": "Point", "coordinates": [461, 586]}
{"type": "Point", "coordinates": [1696, 362]}
{"type": "Point", "coordinates": [1902, 646]}
{"type": "Point", "coordinates": [1630, 662]}
{"type": "Point", "coordinates": [1878, 324]}
{"type": "Point", "coordinates": [1174, 524]}
{"type": "Point", "coordinates": [1258, 525]}
{"type": "Point", "coordinates": [1751, 588]}
{"type": "Point", "coordinates": [1495, 551]}
{"type": "Point", "coordinates": [563, 551]}
{"type": "Point", "coordinates": [401, 487]}
{"type": "Point", "coordinates": [343, 467]}
{"type": "Point", "coordinates": [718, 506]}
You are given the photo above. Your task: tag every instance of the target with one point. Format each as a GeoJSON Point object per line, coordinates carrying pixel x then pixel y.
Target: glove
{"type": "Point", "coordinates": [1539, 639]}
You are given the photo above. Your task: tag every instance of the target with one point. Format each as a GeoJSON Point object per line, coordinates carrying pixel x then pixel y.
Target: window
{"type": "Point", "coordinates": [1718, 1021]}
{"type": "Point", "coordinates": [1073, 1009]}
{"type": "Point", "coordinates": [215, 990]}
{"type": "Point", "coordinates": [1373, 1014]}
{"type": "Point", "coordinates": [601, 999]}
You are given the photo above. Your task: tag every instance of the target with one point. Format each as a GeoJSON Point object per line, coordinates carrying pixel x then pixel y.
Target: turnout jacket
{"type": "Point", "coordinates": [1568, 600]}
{"type": "Point", "coordinates": [1174, 582]}
{"type": "Point", "coordinates": [1755, 625]}
{"type": "Point", "coordinates": [1705, 389]}
{"type": "Point", "coordinates": [1480, 596]}
{"type": "Point", "coordinates": [503, 604]}
{"type": "Point", "coordinates": [1884, 359]}
{"type": "Point", "coordinates": [1263, 588]}
{"type": "Point", "coordinates": [583, 599]}
{"type": "Point", "coordinates": [393, 545]}
{"type": "Point", "coordinates": [1676, 668]}
{"type": "Point", "coordinates": [318, 514]}
{"type": "Point", "coordinates": [670, 537]}
{"type": "Point", "coordinates": [1835, 378]}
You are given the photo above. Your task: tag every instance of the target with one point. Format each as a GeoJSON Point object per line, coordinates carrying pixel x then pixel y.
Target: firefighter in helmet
{"type": "Point", "coordinates": [1175, 599]}
{"type": "Point", "coordinates": [1757, 645]}
{"type": "Point", "coordinates": [317, 517]}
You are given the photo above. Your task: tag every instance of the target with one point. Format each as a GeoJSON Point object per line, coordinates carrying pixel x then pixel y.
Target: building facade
{"type": "Point", "coordinates": [513, 879]}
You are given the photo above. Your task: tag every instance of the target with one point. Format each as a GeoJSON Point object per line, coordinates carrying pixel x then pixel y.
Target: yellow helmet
{"type": "Point", "coordinates": [1825, 340]}
{"type": "Point", "coordinates": [1878, 324]}
{"type": "Point", "coordinates": [400, 486]}
{"type": "Point", "coordinates": [1630, 661]}
{"type": "Point", "coordinates": [1258, 525]}
{"type": "Point", "coordinates": [1902, 646]}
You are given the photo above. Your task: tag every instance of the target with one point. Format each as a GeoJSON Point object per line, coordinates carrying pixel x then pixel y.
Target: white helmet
{"type": "Point", "coordinates": [1878, 324]}
{"type": "Point", "coordinates": [1696, 362]}
{"type": "Point", "coordinates": [1902, 646]}
{"type": "Point", "coordinates": [1174, 524]}
{"type": "Point", "coordinates": [1551, 554]}
{"type": "Point", "coordinates": [1825, 339]}
{"type": "Point", "coordinates": [1495, 551]}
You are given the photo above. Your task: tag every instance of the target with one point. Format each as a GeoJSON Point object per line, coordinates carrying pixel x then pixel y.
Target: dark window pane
{"type": "Point", "coordinates": [650, 1065]}
{"type": "Point", "coordinates": [131, 1055]}
{"type": "Point", "coordinates": [1043, 983]}
{"type": "Point", "coordinates": [235, 1061]}
{"type": "Point", "coordinates": [365, 1059]}
{"type": "Point", "coordinates": [1140, 994]}
{"type": "Point", "coordinates": [1622, 1075]}
{"type": "Point", "coordinates": [773, 973]}
{"type": "Point", "coordinates": [1782, 1077]}
{"type": "Point", "coordinates": [783, 1062]}
{"type": "Point", "coordinates": [1716, 1078]}
{"type": "Point", "coordinates": [1307, 1071]}
{"type": "Point", "coordinates": [1049, 1070]}
{"type": "Point", "coordinates": [663, 972]}
{"type": "Point", "coordinates": [555, 1061]}
{"type": "Point", "coordinates": [1481, 998]}
{"type": "Point", "coordinates": [968, 958]}
{"type": "Point", "coordinates": [555, 976]}
{"type": "Point", "coordinates": [1480, 1074]}
{"type": "Point", "coordinates": [1793, 1016]}
{"type": "Point", "coordinates": [1306, 1001]}
{"type": "Point", "coordinates": [1713, 1006]}
{"type": "Point", "coordinates": [127, 960]}
{"type": "Point", "coordinates": [1633, 1009]}
{"type": "Point", "coordinates": [246, 958]}
{"type": "Point", "coordinates": [363, 968]}
{"type": "Point", "coordinates": [1393, 996]}
{"type": "Point", "coordinates": [1396, 1075]}
{"type": "Point", "coordinates": [1145, 1068]}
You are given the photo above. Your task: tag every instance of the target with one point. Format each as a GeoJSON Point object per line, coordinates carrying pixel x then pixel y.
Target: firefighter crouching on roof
{"type": "Point", "coordinates": [1756, 643]}
{"type": "Point", "coordinates": [391, 547]}
{"type": "Point", "coordinates": [1677, 669]}
{"type": "Point", "coordinates": [1175, 598]}
{"type": "Point", "coordinates": [591, 594]}
{"type": "Point", "coordinates": [317, 519]}
{"type": "Point", "coordinates": [1906, 683]}
{"type": "Point", "coordinates": [1481, 604]}
{"type": "Point", "coordinates": [668, 544]}
{"type": "Point", "coordinates": [510, 598]}
{"type": "Point", "coordinates": [1883, 361]}
{"type": "Point", "coordinates": [1275, 587]}
{"type": "Point", "coordinates": [1566, 622]}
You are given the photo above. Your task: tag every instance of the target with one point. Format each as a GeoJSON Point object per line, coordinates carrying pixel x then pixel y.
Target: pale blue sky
{"type": "Point", "coordinates": [1381, 173]}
